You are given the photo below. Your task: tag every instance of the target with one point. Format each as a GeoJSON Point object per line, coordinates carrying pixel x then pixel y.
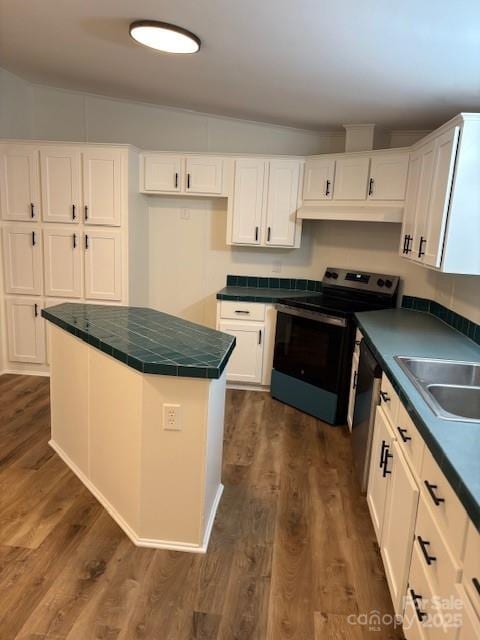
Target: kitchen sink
{"type": "Point", "coordinates": [450, 388]}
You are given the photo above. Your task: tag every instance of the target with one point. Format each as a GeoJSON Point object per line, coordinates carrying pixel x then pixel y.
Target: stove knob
{"type": "Point", "coordinates": [388, 284]}
{"type": "Point", "coordinates": [334, 275]}
{"type": "Point", "coordinates": [328, 274]}
{"type": "Point", "coordinates": [381, 282]}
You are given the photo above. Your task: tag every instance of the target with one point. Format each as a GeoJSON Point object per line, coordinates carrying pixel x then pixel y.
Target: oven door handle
{"type": "Point", "coordinates": [311, 315]}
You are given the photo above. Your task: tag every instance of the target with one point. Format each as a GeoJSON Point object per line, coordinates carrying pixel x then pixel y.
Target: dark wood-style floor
{"type": "Point", "coordinates": [292, 553]}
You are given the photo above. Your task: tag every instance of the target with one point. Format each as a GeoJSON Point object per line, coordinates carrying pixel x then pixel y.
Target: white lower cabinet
{"type": "Point", "coordinates": [63, 263]}
{"type": "Point", "coordinates": [378, 477]}
{"type": "Point", "coordinates": [353, 388]}
{"type": "Point", "coordinates": [399, 524]}
{"type": "Point", "coordinates": [25, 330]}
{"type": "Point", "coordinates": [246, 362]}
{"type": "Point", "coordinates": [103, 265]}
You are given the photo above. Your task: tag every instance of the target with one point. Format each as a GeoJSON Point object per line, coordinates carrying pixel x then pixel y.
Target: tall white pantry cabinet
{"type": "Point", "coordinates": [65, 211]}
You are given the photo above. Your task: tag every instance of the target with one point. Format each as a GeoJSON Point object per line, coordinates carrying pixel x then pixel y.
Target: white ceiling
{"type": "Point", "coordinates": [308, 63]}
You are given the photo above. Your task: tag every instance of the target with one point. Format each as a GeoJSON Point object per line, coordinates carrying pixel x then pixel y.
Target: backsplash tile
{"type": "Point", "coordinates": [455, 320]}
{"type": "Point", "coordinates": [299, 284]}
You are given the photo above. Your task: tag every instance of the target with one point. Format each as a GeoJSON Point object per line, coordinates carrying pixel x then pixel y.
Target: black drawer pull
{"type": "Point", "coordinates": [415, 597]}
{"type": "Point", "coordinates": [382, 452]}
{"type": "Point", "coordinates": [188, 181]}
{"type": "Point", "coordinates": [409, 244]}
{"type": "Point", "coordinates": [176, 180]}
{"type": "Point", "coordinates": [476, 584]}
{"type": "Point", "coordinates": [269, 233]}
{"type": "Point", "coordinates": [256, 234]}
{"type": "Point", "coordinates": [386, 472]}
{"type": "Point", "coordinates": [402, 433]}
{"type": "Point", "coordinates": [244, 311]}
{"type": "Point", "coordinates": [423, 546]}
{"type": "Point", "coordinates": [385, 397]}
{"type": "Point", "coordinates": [431, 490]}
{"type": "Point", "coordinates": [327, 188]}
{"type": "Point", "coordinates": [421, 250]}
{"type": "Point", "coordinates": [32, 210]}
{"type": "Point", "coordinates": [370, 186]}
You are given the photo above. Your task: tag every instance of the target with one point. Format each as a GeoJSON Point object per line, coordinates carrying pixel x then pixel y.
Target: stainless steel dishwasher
{"type": "Point", "coordinates": [367, 397]}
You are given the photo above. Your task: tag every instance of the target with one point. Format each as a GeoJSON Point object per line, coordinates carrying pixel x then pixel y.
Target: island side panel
{"type": "Point", "coordinates": [115, 436]}
{"type": "Point", "coordinates": [173, 463]}
{"type": "Point", "coordinates": [69, 398]}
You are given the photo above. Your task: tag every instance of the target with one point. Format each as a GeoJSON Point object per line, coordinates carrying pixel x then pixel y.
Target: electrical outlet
{"type": "Point", "coordinates": [185, 214]}
{"type": "Point", "coordinates": [172, 417]}
{"type": "Point", "coordinates": [277, 266]}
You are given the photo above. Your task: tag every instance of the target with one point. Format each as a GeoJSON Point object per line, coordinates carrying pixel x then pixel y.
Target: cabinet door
{"type": "Point", "coordinates": [318, 179]}
{"type": "Point", "coordinates": [102, 187]}
{"type": "Point", "coordinates": [61, 184]}
{"type": "Point", "coordinates": [22, 252]}
{"type": "Point", "coordinates": [246, 362]}
{"type": "Point", "coordinates": [398, 526]}
{"type": "Point", "coordinates": [426, 154]}
{"type": "Point", "coordinates": [282, 202]}
{"type": "Point", "coordinates": [388, 177]}
{"type": "Point", "coordinates": [408, 226]}
{"type": "Point", "coordinates": [103, 265]}
{"type": "Point", "coordinates": [161, 173]}
{"type": "Point", "coordinates": [203, 175]}
{"type": "Point", "coordinates": [351, 177]}
{"type": "Point", "coordinates": [19, 182]}
{"type": "Point", "coordinates": [378, 477]}
{"type": "Point", "coordinates": [26, 330]}
{"type": "Point", "coordinates": [63, 263]}
{"type": "Point", "coordinates": [443, 168]}
{"type": "Point", "coordinates": [353, 386]}
{"type": "Point", "coordinates": [248, 200]}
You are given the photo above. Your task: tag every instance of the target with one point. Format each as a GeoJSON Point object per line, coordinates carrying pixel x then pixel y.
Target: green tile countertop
{"type": "Point", "coordinates": [260, 294]}
{"type": "Point", "coordinates": [147, 340]}
{"type": "Point", "coordinates": [455, 445]}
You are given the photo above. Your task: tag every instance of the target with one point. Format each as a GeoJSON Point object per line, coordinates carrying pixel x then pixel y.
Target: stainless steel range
{"type": "Point", "coordinates": [314, 340]}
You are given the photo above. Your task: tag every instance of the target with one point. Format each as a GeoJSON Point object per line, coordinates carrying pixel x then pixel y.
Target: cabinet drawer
{"type": "Point", "coordinates": [447, 510]}
{"type": "Point", "coordinates": [471, 567]}
{"type": "Point", "coordinates": [242, 310]}
{"type": "Point", "coordinates": [389, 399]}
{"type": "Point", "coordinates": [438, 562]}
{"type": "Point", "coordinates": [409, 439]}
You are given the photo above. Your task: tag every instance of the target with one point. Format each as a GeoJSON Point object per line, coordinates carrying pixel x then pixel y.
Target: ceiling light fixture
{"type": "Point", "coordinates": [164, 37]}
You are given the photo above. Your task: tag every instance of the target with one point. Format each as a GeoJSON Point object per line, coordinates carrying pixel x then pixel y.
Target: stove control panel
{"type": "Point", "coordinates": [361, 280]}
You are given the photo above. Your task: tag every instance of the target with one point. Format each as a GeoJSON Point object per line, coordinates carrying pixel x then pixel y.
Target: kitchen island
{"type": "Point", "coordinates": [138, 400]}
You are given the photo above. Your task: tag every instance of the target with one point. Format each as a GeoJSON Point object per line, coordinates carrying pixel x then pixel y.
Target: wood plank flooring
{"type": "Point", "coordinates": [292, 554]}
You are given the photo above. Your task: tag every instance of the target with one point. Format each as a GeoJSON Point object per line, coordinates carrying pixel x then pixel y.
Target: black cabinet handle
{"type": "Point", "coordinates": [370, 186]}
{"type": "Point", "coordinates": [269, 233]}
{"type": "Point", "coordinates": [402, 433]}
{"type": "Point", "coordinates": [74, 240]}
{"type": "Point", "coordinates": [382, 452]}
{"type": "Point", "coordinates": [33, 238]}
{"type": "Point", "coordinates": [260, 336]}
{"type": "Point", "coordinates": [404, 250]}
{"type": "Point", "coordinates": [476, 584]}
{"type": "Point", "coordinates": [385, 397]}
{"type": "Point", "coordinates": [415, 597]}
{"type": "Point", "coordinates": [86, 212]}
{"type": "Point", "coordinates": [74, 215]}
{"type": "Point", "coordinates": [355, 376]}
{"type": "Point", "coordinates": [86, 241]}
{"type": "Point", "coordinates": [176, 180]}
{"type": "Point", "coordinates": [32, 210]}
{"type": "Point", "coordinates": [431, 490]}
{"type": "Point", "coordinates": [406, 243]}
{"type": "Point", "coordinates": [421, 249]}
{"type": "Point", "coordinates": [327, 188]}
{"type": "Point", "coordinates": [256, 234]}
{"type": "Point", "coordinates": [242, 311]}
{"type": "Point", "coordinates": [386, 471]}
{"type": "Point", "coordinates": [35, 309]}
{"type": "Point", "coordinates": [423, 546]}
{"type": "Point", "coordinates": [188, 181]}
{"type": "Point", "coordinates": [409, 244]}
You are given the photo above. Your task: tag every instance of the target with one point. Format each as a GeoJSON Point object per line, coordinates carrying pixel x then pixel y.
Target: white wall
{"type": "Point", "coordinates": [15, 106]}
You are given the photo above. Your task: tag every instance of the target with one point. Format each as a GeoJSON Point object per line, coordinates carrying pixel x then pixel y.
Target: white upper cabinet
{"type": "Point", "coordinates": [19, 182]}
{"type": "Point", "coordinates": [162, 173]}
{"type": "Point", "coordinates": [263, 209]}
{"type": "Point", "coordinates": [103, 264]}
{"type": "Point", "coordinates": [22, 254]}
{"type": "Point", "coordinates": [63, 262]}
{"type": "Point", "coordinates": [318, 179]}
{"type": "Point", "coordinates": [248, 197]}
{"type": "Point", "coordinates": [282, 202]}
{"type": "Point", "coordinates": [443, 198]}
{"type": "Point", "coordinates": [203, 175]}
{"type": "Point", "coordinates": [102, 186]}
{"type": "Point", "coordinates": [60, 169]}
{"type": "Point", "coordinates": [388, 177]}
{"type": "Point", "coordinates": [26, 330]}
{"type": "Point", "coordinates": [351, 177]}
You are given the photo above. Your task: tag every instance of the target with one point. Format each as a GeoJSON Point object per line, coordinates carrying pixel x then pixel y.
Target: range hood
{"type": "Point", "coordinates": [352, 211]}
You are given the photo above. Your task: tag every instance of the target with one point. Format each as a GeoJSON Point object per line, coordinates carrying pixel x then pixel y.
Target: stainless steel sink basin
{"type": "Point", "coordinates": [451, 389]}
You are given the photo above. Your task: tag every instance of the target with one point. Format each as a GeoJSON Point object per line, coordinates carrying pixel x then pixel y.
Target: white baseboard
{"type": "Point", "coordinates": [247, 387]}
{"type": "Point", "coordinates": [137, 540]}
{"type": "Point", "coordinates": [25, 372]}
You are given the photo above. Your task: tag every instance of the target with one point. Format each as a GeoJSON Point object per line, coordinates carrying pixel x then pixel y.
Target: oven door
{"type": "Point", "coordinates": [310, 346]}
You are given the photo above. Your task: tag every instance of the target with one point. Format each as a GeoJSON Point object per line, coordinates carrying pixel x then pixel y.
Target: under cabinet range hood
{"type": "Point", "coordinates": [368, 212]}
